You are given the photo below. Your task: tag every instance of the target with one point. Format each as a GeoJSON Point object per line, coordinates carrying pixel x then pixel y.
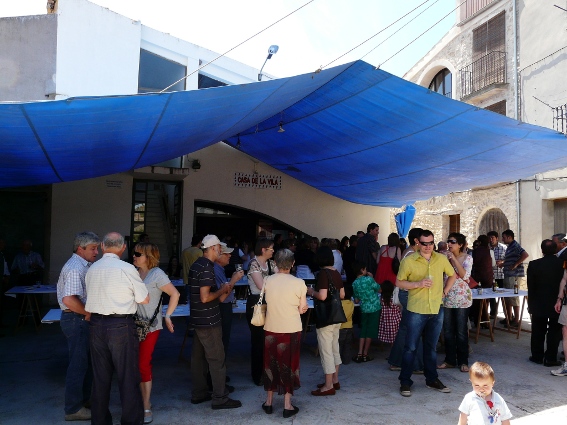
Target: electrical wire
{"type": "Point", "coordinates": [238, 45]}
{"type": "Point", "coordinates": [419, 36]}
{"type": "Point", "coordinates": [401, 28]}
{"type": "Point", "coordinates": [370, 38]}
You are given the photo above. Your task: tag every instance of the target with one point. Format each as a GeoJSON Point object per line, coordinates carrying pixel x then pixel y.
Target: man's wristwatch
{"type": "Point", "coordinates": [168, 316]}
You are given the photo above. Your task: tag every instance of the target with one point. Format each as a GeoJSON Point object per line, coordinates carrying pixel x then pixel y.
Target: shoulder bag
{"type": "Point", "coordinates": [396, 297]}
{"type": "Point", "coordinates": [395, 262]}
{"type": "Point", "coordinates": [143, 325]}
{"type": "Point", "coordinates": [330, 311]}
{"type": "Point", "coordinates": [259, 313]}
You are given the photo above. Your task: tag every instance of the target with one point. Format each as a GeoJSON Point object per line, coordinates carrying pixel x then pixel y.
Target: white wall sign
{"type": "Point", "coordinates": [258, 181]}
{"type": "Point", "coordinates": [114, 184]}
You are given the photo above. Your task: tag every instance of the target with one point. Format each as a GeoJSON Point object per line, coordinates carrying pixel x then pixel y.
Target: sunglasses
{"type": "Point", "coordinates": [137, 254]}
{"type": "Point", "coordinates": [453, 241]}
{"type": "Point", "coordinates": [427, 243]}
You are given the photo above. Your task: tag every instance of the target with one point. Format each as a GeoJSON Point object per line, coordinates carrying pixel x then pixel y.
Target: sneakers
{"type": "Point", "coordinates": [405, 390]}
{"type": "Point", "coordinates": [83, 414]}
{"type": "Point", "coordinates": [395, 368]}
{"type": "Point", "coordinates": [230, 404]}
{"type": "Point", "coordinates": [562, 371]}
{"type": "Point", "coordinates": [438, 385]}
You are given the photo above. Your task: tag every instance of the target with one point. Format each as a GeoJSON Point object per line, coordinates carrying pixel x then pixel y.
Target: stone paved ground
{"type": "Point", "coordinates": [32, 370]}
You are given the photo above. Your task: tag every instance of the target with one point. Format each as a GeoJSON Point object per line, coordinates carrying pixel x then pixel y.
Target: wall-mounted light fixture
{"type": "Point", "coordinates": [271, 51]}
{"type": "Point", "coordinates": [196, 165]}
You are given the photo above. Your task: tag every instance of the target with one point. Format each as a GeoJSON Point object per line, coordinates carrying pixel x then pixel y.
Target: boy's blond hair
{"type": "Point", "coordinates": [481, 370]}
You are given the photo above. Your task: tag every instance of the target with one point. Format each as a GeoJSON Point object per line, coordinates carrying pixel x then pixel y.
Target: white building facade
{"type": "Point", "coordinates": [86, 50]}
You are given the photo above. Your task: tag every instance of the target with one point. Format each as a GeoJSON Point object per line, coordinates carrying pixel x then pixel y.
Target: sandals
{"type": "Point", "coordinates": [464, 368]}
{"type": "Point", "coordinates": [149, 418]}
{"type": "Point", "coordinates": [445, 365]}
{"type": "Point", "coordinates": [361, 358]}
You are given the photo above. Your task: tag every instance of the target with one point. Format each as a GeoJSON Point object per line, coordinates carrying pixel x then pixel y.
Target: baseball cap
{"type": "Point", "coordinates": [210, 240]}
{"type": "Point", "coordinates": [225, 249]}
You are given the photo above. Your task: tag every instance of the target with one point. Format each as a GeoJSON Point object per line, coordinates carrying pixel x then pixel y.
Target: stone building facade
{"type": "Point", "coordinates": [470, 206]}
{"type": "Point", "coordinates": [527, 86]}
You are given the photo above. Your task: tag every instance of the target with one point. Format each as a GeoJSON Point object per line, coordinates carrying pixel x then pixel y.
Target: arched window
{"type": "Point", "coordinates": [442, 83]}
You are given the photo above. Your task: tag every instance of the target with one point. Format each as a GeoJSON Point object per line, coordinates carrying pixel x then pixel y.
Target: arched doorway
{"type": "Point", "coordinates": [493, 219]}
{"type": "Point", "coordinates": [239, 223]}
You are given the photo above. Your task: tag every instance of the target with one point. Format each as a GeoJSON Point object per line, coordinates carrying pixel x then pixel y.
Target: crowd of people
{"type": "Point", "coordinates": [408, 295]}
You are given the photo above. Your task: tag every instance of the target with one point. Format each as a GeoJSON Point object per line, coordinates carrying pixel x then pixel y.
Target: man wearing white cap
{"type": "Point", "coordinates": [208, 351]}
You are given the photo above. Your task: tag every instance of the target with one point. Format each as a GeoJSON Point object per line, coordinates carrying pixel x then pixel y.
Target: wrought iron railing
{"type": "Point", "coordinates": [470, 7]}
{"type": "Point", "coordinates": [560, 118]}
{"type": "Point", "coordinates": [489, 69]}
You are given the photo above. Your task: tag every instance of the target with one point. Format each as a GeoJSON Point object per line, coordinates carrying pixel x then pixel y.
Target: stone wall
{"type": "Point", "coordinates": [433, 213]}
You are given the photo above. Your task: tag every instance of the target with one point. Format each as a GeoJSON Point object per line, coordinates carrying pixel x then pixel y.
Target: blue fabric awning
{"type": "Point", "coordinates": [352, 131]}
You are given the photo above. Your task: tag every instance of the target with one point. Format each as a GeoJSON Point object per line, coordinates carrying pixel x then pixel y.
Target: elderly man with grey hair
{"type": "Point", "coordinates": [72, 296]}
{"type": "Point", "coordinates": [561, 242]}
{"type": "Point", "coordinates": [114, 289]}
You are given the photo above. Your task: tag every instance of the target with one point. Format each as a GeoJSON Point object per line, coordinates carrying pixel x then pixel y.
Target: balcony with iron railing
{"type": "Point", "coordinates": [484, 76]}
{"type": "Point", "coordinates": [560, 118]}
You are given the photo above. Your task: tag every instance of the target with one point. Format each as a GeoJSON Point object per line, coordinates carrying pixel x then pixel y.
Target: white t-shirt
{"type": "Point", "coordinates": [478, 412]}
{"type": "Point", "coordinates": [338, 261]}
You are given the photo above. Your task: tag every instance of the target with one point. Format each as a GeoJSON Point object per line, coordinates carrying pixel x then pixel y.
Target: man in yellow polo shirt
{"type": "Point", "coordinates": [421, 274]}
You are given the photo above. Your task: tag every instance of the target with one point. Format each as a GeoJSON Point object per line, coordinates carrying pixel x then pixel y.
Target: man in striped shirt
{"type": "Point", "coordinates": [499, 251]}
{"type": "Point", "coordinates": [208, 350]}
{"type": "Point", "coordinates": [513, 269]}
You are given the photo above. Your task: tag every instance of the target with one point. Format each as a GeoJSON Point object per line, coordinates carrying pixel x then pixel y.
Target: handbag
{"type": "Point", "coordinates": [143, 325]}
{"type": "Point", "coordinates": [330, 311]}
{"type": "Point", "coordinates": [396, 297]}
{"type": "Point", "coordinates": [259, 313]}
{"type": "Point", "coordinates": [472, 283]}
{"type": "Point", "coordinates": [396, 263]}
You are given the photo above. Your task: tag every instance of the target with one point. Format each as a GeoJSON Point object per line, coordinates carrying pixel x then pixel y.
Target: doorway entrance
{"type": "Point", "coordinates": [156, 211]}
{"type": "Point", "coordinates": [238, 223]}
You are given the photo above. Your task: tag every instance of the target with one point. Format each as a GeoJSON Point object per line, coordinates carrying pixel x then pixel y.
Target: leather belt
{"type": "Point", "coordinates": [119, 316]}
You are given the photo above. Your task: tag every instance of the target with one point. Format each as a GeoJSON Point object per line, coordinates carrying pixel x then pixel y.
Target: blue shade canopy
{"type": "Point", "coordinates": [403, 220]}
{"type": "Point", "coordinates": [352, 131]}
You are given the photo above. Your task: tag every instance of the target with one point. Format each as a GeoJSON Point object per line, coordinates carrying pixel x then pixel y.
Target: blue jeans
{"type": "Point", "coordinates": [428, 325]}
{"type": "Point", "coordinates": [456, 335]}
{"type": "Point", "coordinates": [115, 348]}
{"type": "Point", "coordinates": [397, 351]}
{"type": "Point", "coordinates": [79, 379]}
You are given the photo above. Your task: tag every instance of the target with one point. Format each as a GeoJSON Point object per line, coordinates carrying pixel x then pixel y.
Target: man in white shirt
{"type": "Point", "coordinates": [114, 289]}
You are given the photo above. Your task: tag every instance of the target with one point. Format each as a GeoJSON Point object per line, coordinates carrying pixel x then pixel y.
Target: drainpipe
{"type": "Point", "coordinates": [516, 82]}
{"type": "Point", "coordinates": [518, 215]}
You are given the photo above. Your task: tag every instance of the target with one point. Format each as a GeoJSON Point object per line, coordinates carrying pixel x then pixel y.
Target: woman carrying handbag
{"type": "Point", "coordinates": [329, 282]}
{"type": "Point", "coordinates": [260, 268]}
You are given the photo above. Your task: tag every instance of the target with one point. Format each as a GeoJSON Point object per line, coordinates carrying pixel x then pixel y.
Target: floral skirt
{"type": "Point", "coordinates": [281, 362]}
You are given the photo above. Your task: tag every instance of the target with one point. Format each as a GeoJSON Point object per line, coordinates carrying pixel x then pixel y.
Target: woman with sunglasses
{"type": "Point", "coordinates": [456, 302]}
{"type": "Point", "coordinates": [146, 260]}
{"type": "Point", "coordinates": [260, 268]}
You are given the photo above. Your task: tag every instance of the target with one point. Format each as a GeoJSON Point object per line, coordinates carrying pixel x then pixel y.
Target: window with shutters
{"type": "Point", "coordinates": [490, 37]}
{"type": "Point", "coordinates": [560, 216]}
{"type": "Point", "coordinates": [455, 223]}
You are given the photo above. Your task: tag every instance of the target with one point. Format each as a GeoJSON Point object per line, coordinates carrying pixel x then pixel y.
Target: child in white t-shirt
{"type": "Point", "coordinates": [482, 405]}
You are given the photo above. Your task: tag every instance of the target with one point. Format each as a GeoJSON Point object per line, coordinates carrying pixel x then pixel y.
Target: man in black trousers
{"type": "Point", "coordinates": [544, 276]}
